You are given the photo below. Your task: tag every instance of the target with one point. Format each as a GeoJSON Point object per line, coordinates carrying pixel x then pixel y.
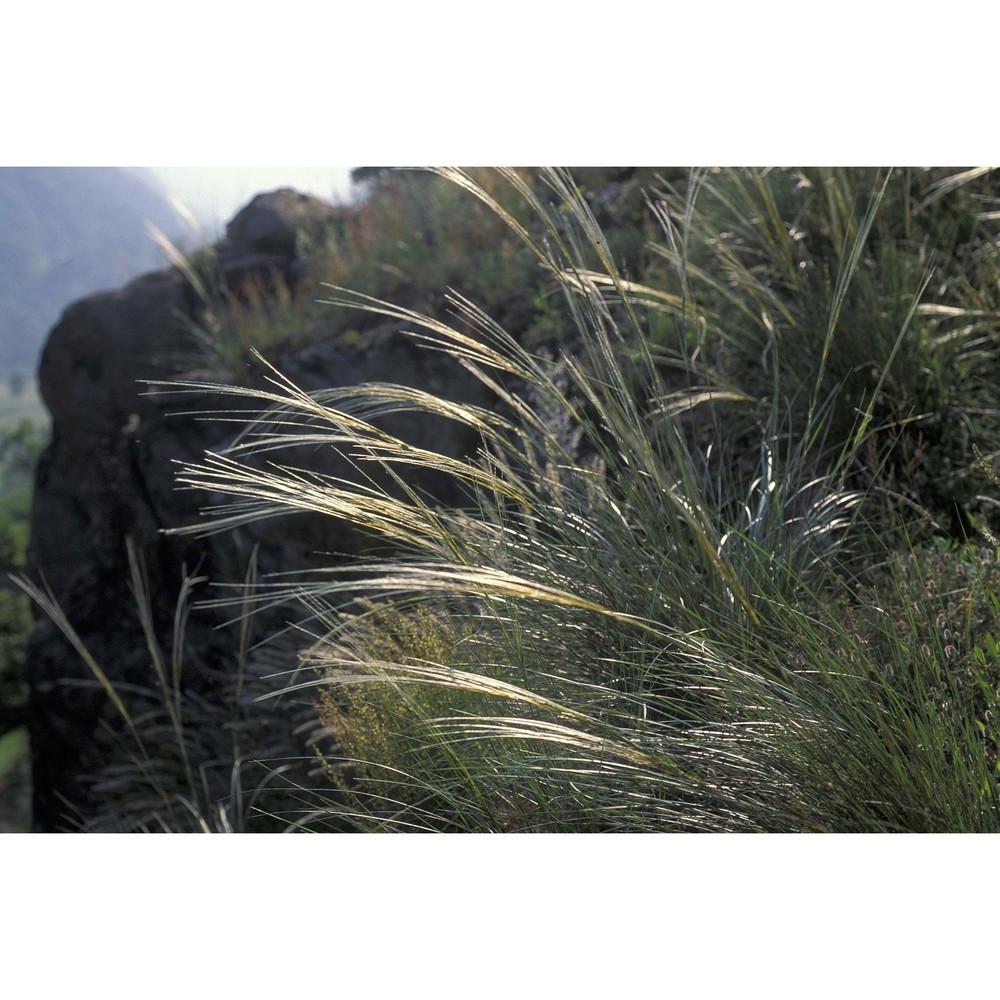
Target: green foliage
{"type": "Point", "coordinates": [19, 449]}
{"type": "Point", "coordinates": [13, 747]}
{"type": "Point", "coordinates": [413, 236]}
{"type": "Point", "coordinates": [417, 235]}
{"type": "Point", "coordinates": [15, 620]}
{"type": "Point", "coordinates": [20, 446]}
{"type": "Point", "coordinates": [378, 726]}
{"type": "Point", "coordinates": [858, 290]}
{"type": "Point", "coordinates": [15, 782]}
{"type": "Point", "coordinates": [650, 618]}
{"type": "Point", "coordinates": [260, 316]}
{"type": "Point", "coordinates": [945, 604]}
{"type": "Point", "coordinates": [694, 586]}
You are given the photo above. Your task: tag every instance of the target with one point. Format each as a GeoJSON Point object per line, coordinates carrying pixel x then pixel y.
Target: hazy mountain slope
{"type": "Point", "coordinates": [66, 232]}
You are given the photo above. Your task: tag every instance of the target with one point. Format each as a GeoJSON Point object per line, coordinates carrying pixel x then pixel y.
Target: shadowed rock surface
{"type": "Point", "coordinates": [108, 476]}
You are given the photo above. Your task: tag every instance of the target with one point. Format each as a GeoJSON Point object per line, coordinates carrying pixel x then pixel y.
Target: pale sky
{"type": "Point", "coordinates": [215, 194]}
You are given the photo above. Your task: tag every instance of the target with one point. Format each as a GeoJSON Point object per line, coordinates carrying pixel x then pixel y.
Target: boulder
{"type": "Point", "coordinates": [275, 222]}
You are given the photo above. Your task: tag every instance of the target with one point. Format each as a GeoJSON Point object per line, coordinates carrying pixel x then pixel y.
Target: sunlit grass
{"type": "Point", "coordinates": [691, 586]}
{"type": "Point", "coordinates": [642, 616]}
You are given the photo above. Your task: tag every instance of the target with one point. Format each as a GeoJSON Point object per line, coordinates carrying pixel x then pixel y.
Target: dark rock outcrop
{"type": "Point", "coordinates": [274, 223]}
{"type": "Point", "coordinates": [108, 476]}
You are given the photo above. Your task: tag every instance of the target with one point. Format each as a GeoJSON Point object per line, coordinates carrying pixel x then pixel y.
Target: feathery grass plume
{"type": "Point", "coordinates": [637, 622]}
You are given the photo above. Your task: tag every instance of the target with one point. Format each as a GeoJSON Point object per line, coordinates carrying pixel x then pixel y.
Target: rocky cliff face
{"type": "Point", "coordinates": [107, 481]}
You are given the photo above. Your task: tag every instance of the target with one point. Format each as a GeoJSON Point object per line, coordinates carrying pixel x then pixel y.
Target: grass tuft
{"type": "Point", "coordinates": [655, 611]}
{"type": "Point", "coordinates": [712, 569]}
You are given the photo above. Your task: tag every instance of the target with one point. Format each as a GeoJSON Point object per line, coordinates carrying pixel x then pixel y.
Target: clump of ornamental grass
{"type": "Point", "coordinates": [643, 618]}
{"type": "Point", "coordinates": [662, 606]}
{"type": "Point", "coordinates": [873, 289]}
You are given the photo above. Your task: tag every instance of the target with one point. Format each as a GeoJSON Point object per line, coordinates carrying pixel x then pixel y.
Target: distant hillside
{"type": "Point", "coordinates": [66, 232]}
